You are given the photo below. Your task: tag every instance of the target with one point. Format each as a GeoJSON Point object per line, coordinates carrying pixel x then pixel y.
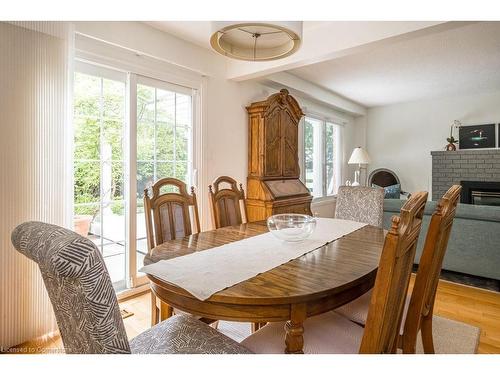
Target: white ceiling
{"type": "Point", "coordinates": [454, 60]}
{"type": "Point", "coordinates": [459, 61]}
{"type": "Point", "coordinates": [199, 32]}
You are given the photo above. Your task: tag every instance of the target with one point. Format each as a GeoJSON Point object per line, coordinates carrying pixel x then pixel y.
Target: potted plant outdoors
{"type": "Point", "coordinates": [81, 224]}
{"type": "Point", "coordinates": [451, 140]}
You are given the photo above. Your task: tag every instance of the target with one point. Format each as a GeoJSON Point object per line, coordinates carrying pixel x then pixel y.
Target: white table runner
{"type": "Point", "coordinates": [207, 272]}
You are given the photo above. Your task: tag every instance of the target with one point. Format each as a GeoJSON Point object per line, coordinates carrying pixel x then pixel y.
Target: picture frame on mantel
{"type": "Point", "coordinates": [473, 137]}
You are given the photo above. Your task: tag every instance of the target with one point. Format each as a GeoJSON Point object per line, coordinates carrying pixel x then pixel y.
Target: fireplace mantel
{"type": "Point", "coordinates": [452, 167]}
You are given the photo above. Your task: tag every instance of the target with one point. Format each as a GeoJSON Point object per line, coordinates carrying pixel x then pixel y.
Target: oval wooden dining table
{"type": "Point", "coordinates": [312, 284]}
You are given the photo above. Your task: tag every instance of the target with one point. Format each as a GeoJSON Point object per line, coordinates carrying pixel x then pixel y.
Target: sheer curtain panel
{"type": "Point", "coordinates": [35, 163]}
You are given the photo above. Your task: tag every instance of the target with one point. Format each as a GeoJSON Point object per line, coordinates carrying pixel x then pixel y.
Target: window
{"type": "Point", "coordinates": [108, 142]}
{"type": "Point", "coordinates": [321, 156]}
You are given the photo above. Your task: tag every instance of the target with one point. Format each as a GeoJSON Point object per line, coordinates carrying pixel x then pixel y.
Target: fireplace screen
{"type": "Point", "coordinates": [485, 198]}
{"type": "Point", "coordinates": [483, 193]}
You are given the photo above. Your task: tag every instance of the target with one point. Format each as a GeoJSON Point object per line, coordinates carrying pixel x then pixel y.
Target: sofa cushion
{"type": "Point", "coordinates": [464, 211]}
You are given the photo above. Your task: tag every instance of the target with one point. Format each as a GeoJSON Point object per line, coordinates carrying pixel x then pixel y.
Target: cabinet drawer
{"type": "Point", "coordinates": [292, 209]}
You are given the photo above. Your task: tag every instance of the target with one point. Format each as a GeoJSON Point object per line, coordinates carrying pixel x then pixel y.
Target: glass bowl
{"type": "Point", "coordinates": [291, 227]}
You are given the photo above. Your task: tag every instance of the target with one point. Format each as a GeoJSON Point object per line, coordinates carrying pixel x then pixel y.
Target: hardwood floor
{"type": "Point", "coordinates": [474, 306]}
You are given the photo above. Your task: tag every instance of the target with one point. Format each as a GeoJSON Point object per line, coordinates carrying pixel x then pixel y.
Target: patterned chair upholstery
{"type": "Point", "coordinates": [85, 303]}
{"type": "Point", "coordinates": [362, 204]}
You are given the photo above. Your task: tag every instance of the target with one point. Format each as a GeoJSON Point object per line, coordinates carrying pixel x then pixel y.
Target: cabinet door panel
{"type": "Point", "coordinates": [253, 156]}
{"type": "Point", "coordinates": [272, 145]}
{"type": "Point", "coordinates": [290, 145]}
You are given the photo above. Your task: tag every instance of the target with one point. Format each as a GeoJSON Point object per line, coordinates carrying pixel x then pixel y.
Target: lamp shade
{"type": "Point", "coordinates": [359, 156]}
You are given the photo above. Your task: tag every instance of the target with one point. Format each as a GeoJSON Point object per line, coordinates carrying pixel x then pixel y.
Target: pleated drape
{"type": "Point", "coordinates": [35, 163]}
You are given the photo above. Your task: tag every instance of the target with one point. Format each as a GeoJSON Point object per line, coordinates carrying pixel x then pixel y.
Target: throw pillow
{"type": "Point", "coordinates": [391, 192]}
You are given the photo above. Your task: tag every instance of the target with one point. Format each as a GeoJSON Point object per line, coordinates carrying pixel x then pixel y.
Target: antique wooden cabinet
{"type": "Point", "coordinates": [273, 161]}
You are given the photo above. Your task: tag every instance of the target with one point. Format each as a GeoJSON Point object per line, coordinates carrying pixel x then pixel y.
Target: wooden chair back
{"type": "Point", "coordinates": [429, 269]}
{"type": "Point", "coordinates": [167, 214]}
{"type": "Point", "coordinates": [391, 285]}
{"type": "Point", "coordinates": [225, 203]}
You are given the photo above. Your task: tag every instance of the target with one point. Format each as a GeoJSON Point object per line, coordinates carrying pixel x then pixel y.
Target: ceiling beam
{"type": "Point", "coordinates": [310, 90]}
{"type": "Point", "coordinates": [330, 40]}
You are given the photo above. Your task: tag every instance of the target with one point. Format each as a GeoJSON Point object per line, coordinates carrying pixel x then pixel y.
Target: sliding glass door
{"type": "Point", "coordinates": [164, 142]}
{"type": "Point", "coordinates": [118, 153]}
{"type": "Point", "coordinates": [99, 205]}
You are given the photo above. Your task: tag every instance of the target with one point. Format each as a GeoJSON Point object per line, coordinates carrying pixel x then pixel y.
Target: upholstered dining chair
{"type": "Point", "coordinates": [362, 204]}
{"type": "Point", "coordinates": [225, 202]}
{"type": "Point", "coordinates": [419, 307]}
{"type": "Point", "coordinates": [86, 307]}
{"type": "Point", "coordinates": [167, 211]}
{"type": "Point", "coordinates": [333, 333]}
{"type": "Point", "coordinates": [85, 303]}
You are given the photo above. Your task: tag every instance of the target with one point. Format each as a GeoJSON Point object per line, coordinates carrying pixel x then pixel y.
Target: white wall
{"type": "Point", "coordinates": [401, 136]}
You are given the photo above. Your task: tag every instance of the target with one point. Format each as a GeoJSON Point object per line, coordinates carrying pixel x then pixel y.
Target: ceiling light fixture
{"type": "Point", "coordinates": [255, 40]}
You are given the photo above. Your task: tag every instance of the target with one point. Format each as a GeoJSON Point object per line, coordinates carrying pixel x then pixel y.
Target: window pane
{"type": "Point", "coordinates": [145, 103]}
{"type": "Point", "coordinates": [330, 157]}
{"type": "Point", "coordinates": [145, 176]}
{"type": "Point", "coordinates": [87, 93]}
{"type": "Point", "coordinates": [112, 139]}
{"type": "Point", "coordinates": [183, 135]}
{"type": "Point", "coordinates": [113, 99]}
{"type": "Point", "coordinates": [313, 158]}
{"type": "Point", "coordinates": [165, 106]}
{"type": "Point", "coordinates": [113, 238]}
{"type": "Point", "coordinates": [183, 110]}
{"type": "Point", "coordinates": [181, 171]}
{"type": "Point", "coordinates": [164, 141]}
{"type": "Point", "coordinates": [87, 176]}
{"type": "Point", "coordinates": [145, 140]}
{"type": "Point", "coordinates": [87, 138]}
{"type": "Point", "coordinates": [117, 180]}
{"type": "Point", "coordinates": [164, 169]}
{"type": "Point", "coordinates": [308, 153]}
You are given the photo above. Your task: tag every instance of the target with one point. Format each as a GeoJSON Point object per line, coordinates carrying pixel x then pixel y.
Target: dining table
{"type": "Point", "coordinates": [314, 283]}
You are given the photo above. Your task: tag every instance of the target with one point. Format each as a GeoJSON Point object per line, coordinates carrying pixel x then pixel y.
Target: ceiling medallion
{"type": "Point", "coordinates": [255, 40]}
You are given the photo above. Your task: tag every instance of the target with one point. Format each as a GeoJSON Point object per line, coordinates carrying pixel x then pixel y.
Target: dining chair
{"type": "Point", "coordinates": [362, 204]}
{"type": "Point", "coordinates": [331, 332]}
{"type": "Point", "coordinates": [167, 211]}
{"type": "Point", "coordinates": [419, 307]}
{"type": "Point", "coordinates": [85, 303]}
{"type": "Point", "coordinates": [225, 203]}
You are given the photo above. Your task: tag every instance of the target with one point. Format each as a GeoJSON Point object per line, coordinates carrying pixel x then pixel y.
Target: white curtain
{"type": "Point", "coordinates": [35, 162]}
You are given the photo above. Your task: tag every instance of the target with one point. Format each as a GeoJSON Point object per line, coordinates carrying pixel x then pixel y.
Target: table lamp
{"type": "Point", "coordinates": [358, 156]}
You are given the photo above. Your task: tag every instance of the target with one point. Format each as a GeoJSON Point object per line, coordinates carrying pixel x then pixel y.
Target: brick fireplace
{"type": "Point", "coordinates": [463, 166]}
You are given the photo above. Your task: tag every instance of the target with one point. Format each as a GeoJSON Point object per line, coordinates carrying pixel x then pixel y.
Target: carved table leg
{"type": "Point", "coordinates": [166, 311]}
{"type": "Point", "coordinates": [294, 329]}
{"type": "Point", "coordinates": [155, 311]}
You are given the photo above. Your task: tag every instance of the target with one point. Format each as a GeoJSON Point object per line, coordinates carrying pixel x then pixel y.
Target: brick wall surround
{"type": "Point", "coordinates": [451, 167]}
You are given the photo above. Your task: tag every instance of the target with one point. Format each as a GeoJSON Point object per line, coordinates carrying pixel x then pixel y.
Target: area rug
{"type": "Point", "coordinates": [450, 336]}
